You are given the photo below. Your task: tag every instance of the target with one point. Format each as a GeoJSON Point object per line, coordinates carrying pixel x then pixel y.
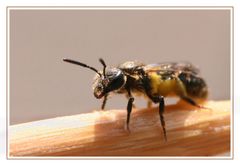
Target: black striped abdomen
{"type": "Point", "coordinates": [195, 86]}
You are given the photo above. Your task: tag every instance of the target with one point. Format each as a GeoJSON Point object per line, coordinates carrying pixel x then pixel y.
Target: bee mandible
{"type": "Point", "coordinates": [154, 81]}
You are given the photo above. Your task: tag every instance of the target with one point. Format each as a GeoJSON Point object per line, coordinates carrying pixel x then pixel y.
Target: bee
{"type": "Point", "coordinates": [154, 81]}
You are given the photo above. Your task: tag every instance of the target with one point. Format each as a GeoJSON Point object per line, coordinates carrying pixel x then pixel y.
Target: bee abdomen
{"type": "Point", "coordinates": [195, 86]}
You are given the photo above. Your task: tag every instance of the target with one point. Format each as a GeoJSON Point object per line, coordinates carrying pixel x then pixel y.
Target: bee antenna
{"type": "Point", "coordinates": [104, 66]}
{"type": "Point", "coordinates": [81, 64]}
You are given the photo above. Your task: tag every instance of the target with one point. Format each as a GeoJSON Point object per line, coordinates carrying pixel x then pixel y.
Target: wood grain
{"type": "Point", "coordinates": [190, 132]}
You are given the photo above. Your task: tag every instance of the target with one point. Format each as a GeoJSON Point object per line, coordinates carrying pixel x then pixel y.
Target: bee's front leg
{"type": "Point", "coordinates": [129, 108]}
{"type": "Point", "coordinates": [104, 101]}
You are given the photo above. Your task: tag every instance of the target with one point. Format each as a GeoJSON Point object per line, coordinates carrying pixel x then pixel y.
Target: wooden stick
{"type": "Point", "coordinates": [190, 132]}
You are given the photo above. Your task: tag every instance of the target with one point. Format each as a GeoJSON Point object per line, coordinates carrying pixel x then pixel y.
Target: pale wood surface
{"type": "Point", "coordinates": [190, 132]}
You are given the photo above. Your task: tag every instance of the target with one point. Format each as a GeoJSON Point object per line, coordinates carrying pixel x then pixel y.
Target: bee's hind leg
{"type": "Point", "coordinates": [192, 102]}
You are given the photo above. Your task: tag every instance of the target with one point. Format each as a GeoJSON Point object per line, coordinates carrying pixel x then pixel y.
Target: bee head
{"type": "Point", "coordinates": [112, 80]}
{"type": "Point", "coordinates": [106, 80]}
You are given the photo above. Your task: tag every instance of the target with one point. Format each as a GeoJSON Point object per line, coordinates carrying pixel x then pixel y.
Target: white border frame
{"type": "Point", "coordinates": [231, 8]}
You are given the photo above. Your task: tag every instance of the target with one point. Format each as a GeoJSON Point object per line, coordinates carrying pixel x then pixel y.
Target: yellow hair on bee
{"type": "Point", "coordinates": [160, 86]}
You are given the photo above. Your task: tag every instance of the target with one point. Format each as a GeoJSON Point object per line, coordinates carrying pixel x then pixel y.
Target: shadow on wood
{"type": "Point", "coordinates": [190, 132]}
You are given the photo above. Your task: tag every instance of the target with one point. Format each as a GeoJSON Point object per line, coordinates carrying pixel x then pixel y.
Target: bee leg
{"type": "Point", "coordinates": [104, 102]}
{"type": "Point", "coordinates": [133, 105]}
{"type": "Point", "coordinates": [192, 102]}
{"type": "Point", "coordinates": [129, 109]}
{"type": "Point", "coordinates": [161, 111]}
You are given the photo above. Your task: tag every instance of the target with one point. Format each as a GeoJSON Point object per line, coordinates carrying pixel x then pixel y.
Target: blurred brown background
{"type": "Point", "coordinates": [43, 86]}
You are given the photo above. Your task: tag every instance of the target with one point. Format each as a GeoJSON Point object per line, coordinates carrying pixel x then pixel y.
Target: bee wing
{"type": "Point", "coordinates": [172, 67]}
